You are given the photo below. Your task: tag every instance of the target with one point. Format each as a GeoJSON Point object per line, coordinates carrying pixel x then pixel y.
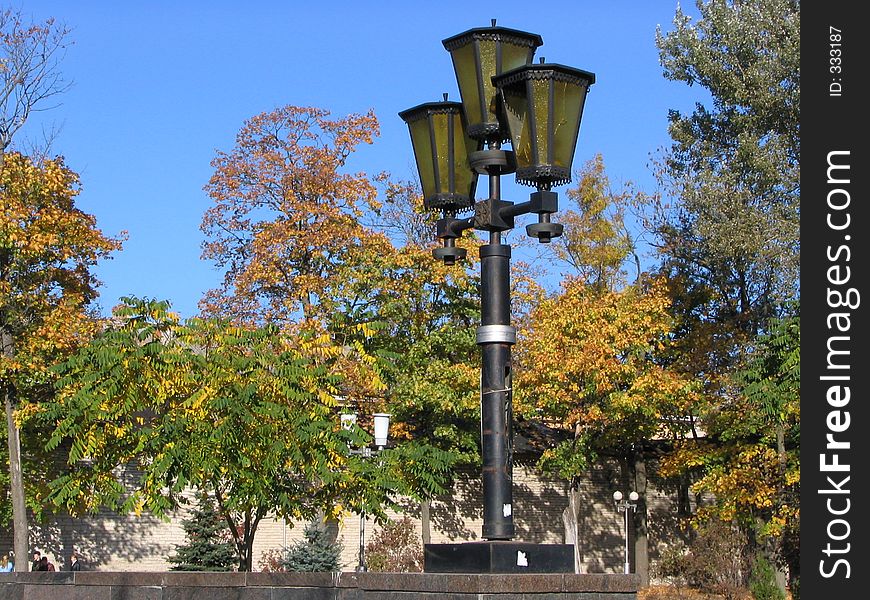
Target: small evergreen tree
{"type": "Point", "coordinates": [315, 553]}
{"type": "Point", "coordinates": [208, 547]}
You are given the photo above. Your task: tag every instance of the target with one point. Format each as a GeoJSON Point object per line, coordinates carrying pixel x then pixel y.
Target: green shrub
{"type": "Point", "coordinates": [762, 580]}
{"type": "Point", "coordinates": [395, 548]}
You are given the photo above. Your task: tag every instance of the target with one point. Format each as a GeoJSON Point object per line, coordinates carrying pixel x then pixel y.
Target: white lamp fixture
{"type": "Point", "coordinates": [382, 428]}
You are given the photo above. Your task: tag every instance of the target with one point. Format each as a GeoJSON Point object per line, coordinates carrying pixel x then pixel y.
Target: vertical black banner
{"type": "Point", "coordinates": [835, 227]}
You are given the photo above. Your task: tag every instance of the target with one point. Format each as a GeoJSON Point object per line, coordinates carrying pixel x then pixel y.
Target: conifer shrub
{"type": "Point", "coordinates": [208, 546]}
{"type": "Point", "coordinates": [315, 553]}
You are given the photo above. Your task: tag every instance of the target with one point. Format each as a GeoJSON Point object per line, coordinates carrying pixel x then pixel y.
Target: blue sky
{"type": "Point", "coordinates": [160, 86]}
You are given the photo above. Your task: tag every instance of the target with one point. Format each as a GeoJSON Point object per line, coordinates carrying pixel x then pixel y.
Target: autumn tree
{"type": "Point", "coordinates": [592, 356]}
{"type": "Point", "coordinates": [303, 245]}
{"type": "Point", "coordinates": [730, 238]}
{"type": "Point", "coordinates": [286, 217]}
{"type": "Point", "coordinates": [598, 243]}
{"type": "Point", "coordinates": [47, 250]}
{"type": "Point", "coordinates": [29, 59]}
{"type": "Point", "coordinates": [749, 460]}
{"type": "Point", "coordinates": [591, 362]}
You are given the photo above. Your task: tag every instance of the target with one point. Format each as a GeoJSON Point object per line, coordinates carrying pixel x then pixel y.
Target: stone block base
{"type": "Point", "coordinates": [498, 557]}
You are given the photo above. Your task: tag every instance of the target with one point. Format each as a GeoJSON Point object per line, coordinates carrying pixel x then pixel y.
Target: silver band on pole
{"type": "Point", "coordinates": [492, 334]}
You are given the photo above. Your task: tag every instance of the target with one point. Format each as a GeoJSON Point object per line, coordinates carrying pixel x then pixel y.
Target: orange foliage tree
{"type": "Point", "coordinates": [593, 358]}
{"type": "Point", "coordinates": [47, 250]}
{"type": "Point", "coordinates": [292, 231]}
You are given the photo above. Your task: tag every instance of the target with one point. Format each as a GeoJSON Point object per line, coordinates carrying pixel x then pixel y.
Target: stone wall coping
{"type": "Point", "coordinates": [474, 583]}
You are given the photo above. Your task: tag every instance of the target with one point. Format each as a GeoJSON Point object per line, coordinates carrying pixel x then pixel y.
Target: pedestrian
{"type": "Point", "coordinates": [43, 564]}
{"type": "Point", "coordinates": [5, 564]}
{"type": "Point", "coordinates": [74, 564]}
{"type": "Point", "coordinates": [36, 560]}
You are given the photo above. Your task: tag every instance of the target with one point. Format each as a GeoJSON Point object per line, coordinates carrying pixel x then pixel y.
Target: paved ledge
{"type": "Point", "coordinates": [104, 585]}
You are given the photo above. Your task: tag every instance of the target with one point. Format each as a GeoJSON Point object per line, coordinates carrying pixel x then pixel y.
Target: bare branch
{"type": "Point", "coordinates": [30, 56]}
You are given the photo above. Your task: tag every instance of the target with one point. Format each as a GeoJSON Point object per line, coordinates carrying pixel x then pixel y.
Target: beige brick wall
{"type": "Point", "coordinates": [113, 542]}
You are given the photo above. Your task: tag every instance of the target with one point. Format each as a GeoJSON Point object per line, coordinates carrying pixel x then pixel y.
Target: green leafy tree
{"type": "Point", "coordinates": [429, 313]}
{"type": "Point", "coordinates": [730, 232]}
{"type": "Point", "coordinates": [236, 413]}
{"type": "Point", "coordinates": [207, 547]}
{"type": "Point", "coordinates": [730, 244]}
{"type": "Point", "coordinates": [316, 552]}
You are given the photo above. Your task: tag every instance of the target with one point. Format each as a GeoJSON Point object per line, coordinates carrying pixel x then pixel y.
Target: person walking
{"type": "Point", "coordinates": [6, 565]}
{"type": "Point", "coordinates": [37, 559]}
{"type": "Point", "coordinates": [74, 564]}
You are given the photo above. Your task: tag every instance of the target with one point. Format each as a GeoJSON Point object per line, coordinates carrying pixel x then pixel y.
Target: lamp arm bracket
{"type": "Point", "coordinates": [451, 228]}
{"type": "Point", "coordinates": [515, 210]}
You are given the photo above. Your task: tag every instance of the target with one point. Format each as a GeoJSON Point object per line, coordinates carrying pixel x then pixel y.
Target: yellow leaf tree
{"type": "Point", "coordinates": [593, 358]}
{"type": "Point", "coordinates": [47, 250]}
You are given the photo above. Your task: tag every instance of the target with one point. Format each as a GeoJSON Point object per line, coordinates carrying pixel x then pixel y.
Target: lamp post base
{"type": "Point", "coordinates": [498, 557]}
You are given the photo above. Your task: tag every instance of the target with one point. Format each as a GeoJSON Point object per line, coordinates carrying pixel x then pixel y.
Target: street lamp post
{"type": "Point", "coordinates": [538, 109]}
{"type": "Point", "coordinates": [624, 506]}
{"type": "Point", "coordinates": [382, 428]}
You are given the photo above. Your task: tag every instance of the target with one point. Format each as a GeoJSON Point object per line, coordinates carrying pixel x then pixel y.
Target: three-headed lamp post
{"type": "Point", "coordinates": [537, 107]}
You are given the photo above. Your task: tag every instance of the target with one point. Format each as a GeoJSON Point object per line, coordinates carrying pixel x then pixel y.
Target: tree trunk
{"type": "Point", "coordinates": [16, 482]}
{"type": "Point", "coordinates": [641, 541]}
{"type": "Point", "coordinates": [425, 521]}
{"type": "Point", "coordinates": [569, 520]}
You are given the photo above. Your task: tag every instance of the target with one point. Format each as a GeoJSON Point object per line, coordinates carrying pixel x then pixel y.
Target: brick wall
{"type": "Point", "coordinates": [111, 542]}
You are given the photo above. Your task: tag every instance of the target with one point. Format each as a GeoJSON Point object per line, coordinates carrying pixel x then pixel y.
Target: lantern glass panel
{"type": "Point", "coordinates": [465, 178]}
{"type": "Point", "coordinates": [487, 51]}
{"type": "Point", "coordinates": [517, 112]}
{"type": "Point", "coordinates": [540, 97]}
{"type": "Point", "coordinates": [513, 56]}
{"type": "Point", "coordinates": [568, 100]}
{"type": "Point", "coordinates": [422, 144]}
{"type": "Point", "coordinates": [465, 65]}
{"type": "Point", "coordinates": [440, 129]}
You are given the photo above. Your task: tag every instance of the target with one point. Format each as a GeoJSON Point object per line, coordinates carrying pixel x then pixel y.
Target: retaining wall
{"type": "Point", "coordinates": [104, 585]}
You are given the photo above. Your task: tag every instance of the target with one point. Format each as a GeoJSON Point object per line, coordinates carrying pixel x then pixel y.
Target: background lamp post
{"type": "Point", "coordinates": [382, 428]}
{"type": "Point", "coordinates": [544, 105]}
{"type": "Point", "coordinates": [623, 506]}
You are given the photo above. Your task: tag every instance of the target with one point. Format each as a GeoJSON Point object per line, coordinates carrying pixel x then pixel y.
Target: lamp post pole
{"type": "Point", "coordinates": [495, 337]}
{"type": "Point", "coordinates": [624, 506]}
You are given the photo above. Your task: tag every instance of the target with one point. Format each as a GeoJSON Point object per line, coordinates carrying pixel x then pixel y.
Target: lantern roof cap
{"type": "Point", "coordinates": [503, 34]}
{"type": "Point", "coordinates": [544, 71]}
{"type": "Point", "coordinates": [422, 110]}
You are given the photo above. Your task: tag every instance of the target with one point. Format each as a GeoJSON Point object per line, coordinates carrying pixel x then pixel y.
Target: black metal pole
{"type": "Point", "coordinates": [495, 337]}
